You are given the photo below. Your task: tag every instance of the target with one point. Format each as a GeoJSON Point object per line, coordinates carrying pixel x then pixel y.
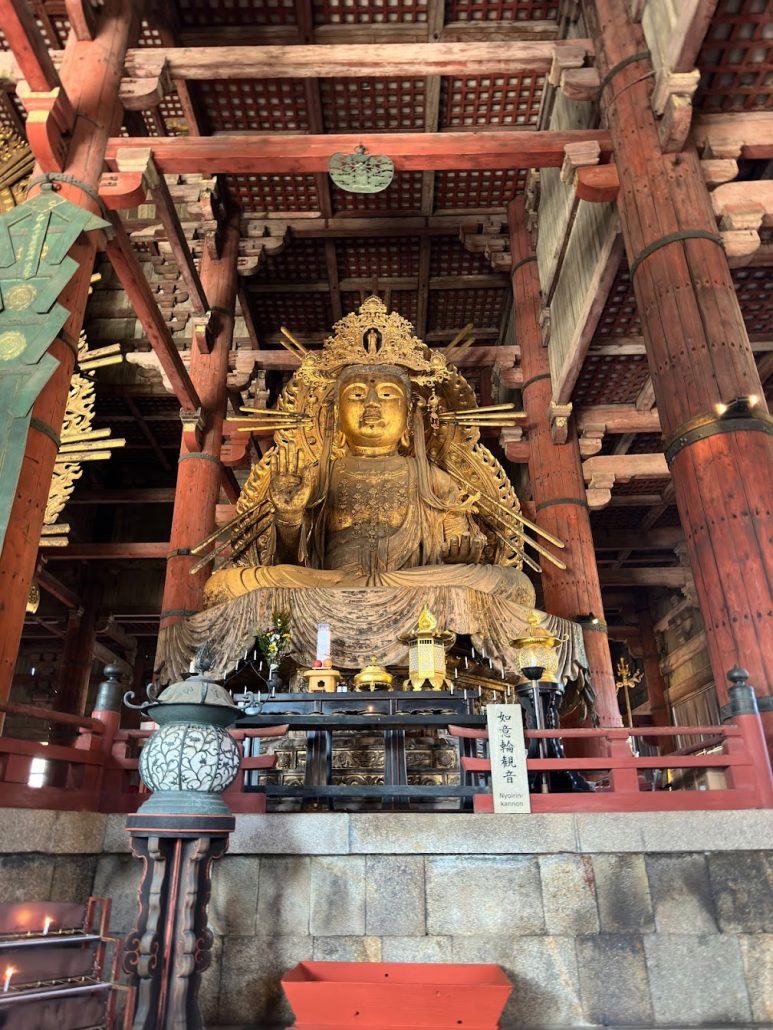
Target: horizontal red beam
{"type": "Point", "coordinates": [115, 551]}
{"type": "Point", "coordinates": [411, 151]}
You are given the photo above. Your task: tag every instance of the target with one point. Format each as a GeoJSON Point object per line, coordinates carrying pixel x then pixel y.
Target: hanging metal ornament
{"type": "Point", "coordinates": [361, 172]}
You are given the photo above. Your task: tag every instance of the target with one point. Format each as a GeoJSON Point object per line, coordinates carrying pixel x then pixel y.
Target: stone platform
{"type": "Point", "coordinates": [659, 921]}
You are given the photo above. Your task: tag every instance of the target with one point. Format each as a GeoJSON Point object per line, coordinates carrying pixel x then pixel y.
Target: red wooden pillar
{"type": "Point", "coordinates": [90, 72]}
{"type": "Point", "coordinates": [699, 358]}
{"type": "Point", "coordinates": [199, 472]}
{"type": "Point", "coordinates": [556, 476]}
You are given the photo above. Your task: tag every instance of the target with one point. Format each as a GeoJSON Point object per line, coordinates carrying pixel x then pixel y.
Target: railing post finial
{"type": "Point", "coordinates": [742, 697]}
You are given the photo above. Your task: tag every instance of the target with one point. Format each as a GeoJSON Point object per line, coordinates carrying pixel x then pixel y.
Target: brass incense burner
{"type": "Point", "coordinates": [373, 677]}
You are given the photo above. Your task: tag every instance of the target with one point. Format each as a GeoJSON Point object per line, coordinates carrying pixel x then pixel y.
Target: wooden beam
{"type": "Point", "coordinates": [411, 151]}
{"type": "Point", "coordinates": [626, 466]}
{"type": "Point", "coordinates": [123, 259]}
{"type": "Point", "coordinates": [751, 130]}
{"type": "Point", "coordinates": [110, 551]}
{"type": "Point", "coordinates": [655, 540]}
{"type": "Point", "coordinates": [618, 418]}
{"type": "Point", "coordinates": [46, 581]}
{"type": "Point", "coordinates": [167, 214]}
{"type": "Point", "coordinates": [144, 495]}
{"type": "Point", "coordinates": [401, 282]}
{"type": "Point", "coordinates": [672, 577]}
{"type": "Point", "coordinates": [146, 432]}
{"type": "Point", "coordinates": [623, 346]}
{"type": "Point", "coordinates": [342, 60]}
{"type": "Point", "coordinates": [28, 46]}
{"type": "Point", "coordinates": [687, 35]}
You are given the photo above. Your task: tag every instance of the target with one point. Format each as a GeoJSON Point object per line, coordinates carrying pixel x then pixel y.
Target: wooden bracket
{"type": "Point", "coordinates": [83, 17]}
{"type": "Point", "coordinates": [598, 492]}
{"type": "Point", "coordinates": [235, 443]}
{"type": "Point", "coordinates": [488, 238]}
{"type": "Point", "coordinates": [591, 438]}
{"type": "Point", "coordinates": [121, 190]}
{"type": "Point", "coordinates": [579, 155]}
{"type": "Point", "coordinates": [194, 424]}
{"type": "Point", "coordinates": [719, 170]}
{"type": "Point", "coordinates": [558, 415]}
{"type": "Point", "coordinates": [564, 57]}
{"type": "Point", "coordinates": [742, 212]}
{"type": "Point", "coordinates": [140, 94]}
{"type": "Point", "coordinates": [50, 119]}
{"type": "Point", "coordinates": [580, 83]}
{"type": "Point", "coordinates": [513, 444]}
{"type": "Point", "coordinates": [598, 184]}
{"type": "Point", "coordinates": [672, 103]}
{"type": "Point", "coordinates": [204, 332]}
{"type": "Point", "coordinates": [544, 325]}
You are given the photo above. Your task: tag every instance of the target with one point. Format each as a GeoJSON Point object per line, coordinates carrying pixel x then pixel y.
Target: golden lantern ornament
{"type": "Point", "coordinates": [373, 677]}
{"type": "Point", "coordinates": [427, 653]}
{"type": "Point", "coordinates": [537, 651]}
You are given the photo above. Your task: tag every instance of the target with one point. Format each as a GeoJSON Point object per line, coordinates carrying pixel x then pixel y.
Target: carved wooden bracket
{"type": "Point", "coordinates": [672, 103]}
{"type": "Point", "coordinates": [490, 238]}
{"type": "Point", "coordinates": [119, 191]}
{"type": "Point", "coordinates": [742, 213]}
{"type": "Point", "coordinates": [235, 443]}
{"type": "Point", "coordinates": [50, 119]}
{"type": "Point", "coordinates": [564, 58]}
{"type": "Point", "coordinates": [140, 94]}
{"type": "Point", "coordinates": [580, 83]}
{"type": "Point", "coordinates": [559, 415]}
{"type": "Point", "coordinates": [194, 423]}
{"type": "Point", "coordinates": [591, 438]}
{"type": "Point", "coordinates": [513, 444]}
{"type": "Point", "coordinates": [579, 155]}
{"type": "Point", "coordinates": [598, 492]}
{"type": "Point", "coordinates": [598, 184]}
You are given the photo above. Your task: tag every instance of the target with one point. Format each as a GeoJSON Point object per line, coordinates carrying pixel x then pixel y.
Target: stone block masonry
{"type": "Point", "coordinates": [641, 920]}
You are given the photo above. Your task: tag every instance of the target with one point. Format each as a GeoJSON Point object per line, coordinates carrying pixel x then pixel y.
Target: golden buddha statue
{"type": "Point", "coordinates": [377, 498]}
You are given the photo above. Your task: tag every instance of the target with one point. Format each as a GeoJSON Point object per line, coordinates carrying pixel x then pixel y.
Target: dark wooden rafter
{"type": "Point", "coordinates": [148, 434]}
{"type": "Point", "coordinates": [28, 46]}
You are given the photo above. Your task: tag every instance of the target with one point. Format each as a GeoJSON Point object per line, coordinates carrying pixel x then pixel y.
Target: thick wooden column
{"type": "Point", "coordinates": [90, 73]}
{"type": "Point", "coordinates": [699, 358]}
{"type": "Point", "coordinates": [556, 476]}
{"type": "Point", "coordinates": [199, 472]}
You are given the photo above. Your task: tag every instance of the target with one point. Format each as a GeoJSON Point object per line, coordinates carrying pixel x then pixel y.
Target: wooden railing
{"type": "Point", "coordinates": [738, 750]}
{"type": "Point", "coordinates": [99, 771]}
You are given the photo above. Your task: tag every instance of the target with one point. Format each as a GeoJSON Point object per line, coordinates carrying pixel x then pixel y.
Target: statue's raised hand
{"type": "Point", "coordinates": [290, 484]}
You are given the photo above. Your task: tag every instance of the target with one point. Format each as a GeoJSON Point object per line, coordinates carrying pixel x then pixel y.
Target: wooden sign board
{"type": "Point", "coordinates": [507, 749]}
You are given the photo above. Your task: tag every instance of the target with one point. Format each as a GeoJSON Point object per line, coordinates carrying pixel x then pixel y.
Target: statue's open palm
{"type": "Point", "coordinates": [290, 484]}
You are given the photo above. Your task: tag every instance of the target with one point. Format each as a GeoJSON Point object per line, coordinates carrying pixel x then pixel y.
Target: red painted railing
{"type": "Point", "coordinates": [99, 771]}
{"type": "Point", "coordinates": [742, 756]}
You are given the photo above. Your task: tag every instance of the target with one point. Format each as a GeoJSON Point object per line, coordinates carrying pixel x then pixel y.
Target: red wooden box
{"type": "Point", "coordinates": [386, 995]}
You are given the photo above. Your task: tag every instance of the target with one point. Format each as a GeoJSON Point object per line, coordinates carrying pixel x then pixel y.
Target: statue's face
{"type": "Point", "coordinates": [373, 411]}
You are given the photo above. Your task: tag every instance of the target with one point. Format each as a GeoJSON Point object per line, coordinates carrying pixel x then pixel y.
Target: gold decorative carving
{"type": "Point", "coordinates": [78, 441]}
{"type": "Point", "coordinates": [16, 162]}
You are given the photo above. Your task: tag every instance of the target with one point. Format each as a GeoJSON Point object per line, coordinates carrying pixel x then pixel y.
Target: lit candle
{"type": "Point", "coordinates": [466, 663]}
{"type": "Point", "coordinates": [323, 641]}
{"type": "Point", "coordinates": [46, 925]}
{"type": "Point", "coordinates": [9, 971]}
{"type": "Point", "coordinates": [483, 651]}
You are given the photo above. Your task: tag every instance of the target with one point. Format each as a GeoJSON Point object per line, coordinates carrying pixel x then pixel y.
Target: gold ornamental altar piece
{"type": "Point", "coordinates": [376, 499]}
{"type": "Point", "coordinates": [323, 680]}
{"type": "Point", "coordinates": [427, 653]}
{"type": "Point", "coordinates": [536, 651]}
{"type": "Point", "coordinates": [373, 677]}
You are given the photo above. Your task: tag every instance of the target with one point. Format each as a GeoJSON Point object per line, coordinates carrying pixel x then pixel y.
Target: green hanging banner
{"type": "Point", "coordinates": [34, 269]}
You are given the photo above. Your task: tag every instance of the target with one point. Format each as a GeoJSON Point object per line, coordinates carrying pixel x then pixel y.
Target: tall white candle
{"type": "Point", "coordinates": [323, 641]}
{"type": "Point", "coordinates": [9, 971]}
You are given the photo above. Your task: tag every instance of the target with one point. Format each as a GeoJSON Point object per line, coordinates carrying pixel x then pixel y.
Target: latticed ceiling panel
{"type": "Point", "coordinates": [620, 316]}
{"type": "Point", "coordinates": [373, 105]}
{"type": "Point", "coordinates": [754, 287]}
{"type": "Point", "coordinates": [501, 10]}
{"type": "Point", "coordinates": [644, 485]}
{"type": "Point", "coordinates": [388, 256]}
{"type": "Point", "coordinates": [490, 100]}
{"type": "Point", "coordinates": [403, 194]}
{"type": "Point", "coordinates": [300, 261]}
{"type": "Point", "coordinates": [300, 312]}
{"type": "Point", "coordinates": [369, 12]}
{"type": "Point", "coordinates": [669, 518]}
{"type": "Point", "coordinates": [256, 105]}
{"type": "Point", "coordinates": [611, 380]}
{"type": "Point", "coordinates": [449, 309]}
{"type": "Point", "coordinates": [476, 190]}
{"type": "Point", "coordinates": [448, 257]}
{"type": "Point", "coordinates": [736, 61]}
{"type": "Point", "coordinates": [646, 443]}
{"type": "Point", "coordinates": [194, 14]}
{"type": "Point", "coordinates": [272, 194]}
